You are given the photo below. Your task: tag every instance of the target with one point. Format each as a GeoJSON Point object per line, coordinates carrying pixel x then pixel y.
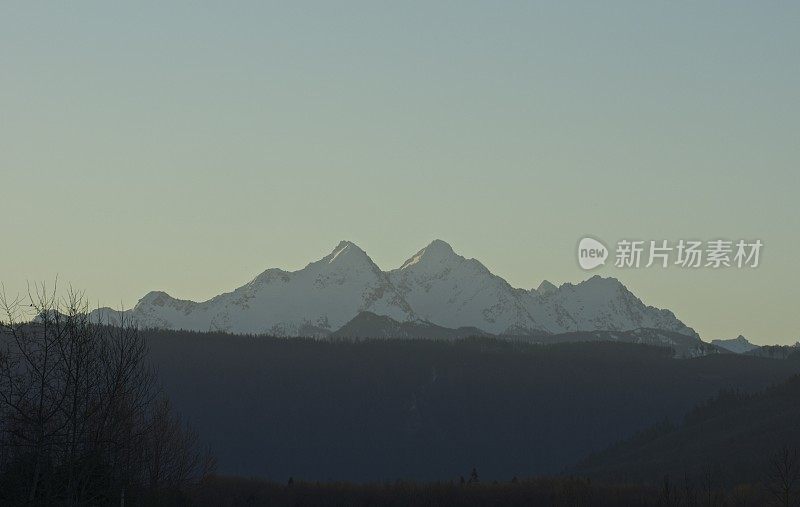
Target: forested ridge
{"type": "Point", "coordinates": [427, 410]}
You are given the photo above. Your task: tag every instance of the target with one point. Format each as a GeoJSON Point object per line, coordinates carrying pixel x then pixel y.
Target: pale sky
{"type": "Point", "coordinates": [188, 146]}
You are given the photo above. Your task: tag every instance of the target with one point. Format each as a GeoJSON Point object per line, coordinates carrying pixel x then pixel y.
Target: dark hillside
{"type": "Point", "coordinates": [734, 436]}
{"type": "Point", "coordinates": [425, 409]}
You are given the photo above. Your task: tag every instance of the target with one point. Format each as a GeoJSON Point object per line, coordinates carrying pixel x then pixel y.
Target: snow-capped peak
{"type": "Point", "coordinates": [600, 304]}
{"type": "Point", "coordinates": [603, 283]}
{"type": "Point", "coordinates": [546, 288]}
{"type": "Point", "coordinates": [436, 284]}
{"type": "Point", "coordinates": [439, 248]}
{"type": "Point", "coordinates": [436, 251]}
{"type": "Point", "coordinates": [739, 345]}
{"type": "Point", "coordinates": [453, 291]}
{"type": "Point", "coordinates": [345, 247]}
{"type": "Point", "coordinates": [155, 297]}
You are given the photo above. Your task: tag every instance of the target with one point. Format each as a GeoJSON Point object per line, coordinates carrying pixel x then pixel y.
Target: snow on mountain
{"type": "Point", "coordinates": [449, 290]}
{"type": "Point", "coordinates": [598, 303]}
{"type": "Point", "coordinates": [545, 288]}
{"type": "Point", "coordinates": [739, 345]}
{"type": "Point", "coordinates": [369, 325]}
{"type": "Point", "coordinates": [682, 345]}
{"type": "Point", "coordinates": [313, 301]}
{"type": "Point", "coordinates": [436, 286]}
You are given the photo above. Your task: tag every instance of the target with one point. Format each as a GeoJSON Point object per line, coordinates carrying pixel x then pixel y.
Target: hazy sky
{"type": "Point", "coordinates": [189, 146]}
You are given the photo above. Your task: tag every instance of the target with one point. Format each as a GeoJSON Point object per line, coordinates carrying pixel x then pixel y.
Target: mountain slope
{"type": "Point", "coordinates": [312, 301]}
{"type": "Point", "coordinates": [426, 409]}
{"type": "Point", "coordinates": [436, 285]}
{"type": "Point", "coordinates": [452, 291]}
{"type": "Point", "coordinates": [370, 325]}
{"type": "Point", "coordinates": [683, 346]}
{"type": "Point", "coordinates": [597, 303]}
{"type": "Point", "coordinates": [776, 351]}
{"type": "Point", "coordinates": [739, 345]}
{"type": "Point", "coordinates": [732, 437]}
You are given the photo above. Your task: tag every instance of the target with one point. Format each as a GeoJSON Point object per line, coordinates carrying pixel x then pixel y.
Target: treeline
{"type": "Point", "coordinates": [556, 491]}
{"type": "Point", "coordinates": [734, 438]}
{"type": "Point", "coordinates": [375, 410]}
{"type": "Point", "coordinates": [231, 492]}
{"type": "Point", "coordinates": [791, 352]}
{"type": "Point", "coordinates": [82, 419]}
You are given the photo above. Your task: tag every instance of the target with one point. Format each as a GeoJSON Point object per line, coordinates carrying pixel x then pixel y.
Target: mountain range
{"type": "Point", "coordinates": [368, 325]}
{"type": "Point", "coordinates": [435, 286]}
{"type": "Point", "coordinates": [739, 345]}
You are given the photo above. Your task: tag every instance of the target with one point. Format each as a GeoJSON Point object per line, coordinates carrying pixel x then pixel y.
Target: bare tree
{"type": "Point", "coordinates": [784, 475]}
{"type": "Point", "coordinates": [172, 459]}
{"type": "Point", "coordinates": [669, 493]}
{"type": "Point", "coordinates": [81, 417]}
{"type": "Point", "coordinates": [689, 491]}
{"type": "Point", "coordinates": [709, 495]}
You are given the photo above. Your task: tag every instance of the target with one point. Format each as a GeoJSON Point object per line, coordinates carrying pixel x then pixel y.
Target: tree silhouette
{"type": "Point", "coordinates": [473, 476]}
{"type": "Point", "coordinates": [81, 419]}
{"type": "Point", "coordinates": [784, 475]}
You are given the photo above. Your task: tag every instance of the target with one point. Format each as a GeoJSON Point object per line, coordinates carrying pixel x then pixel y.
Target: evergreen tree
{"type": "Point", "coordinates": [473, 477]}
